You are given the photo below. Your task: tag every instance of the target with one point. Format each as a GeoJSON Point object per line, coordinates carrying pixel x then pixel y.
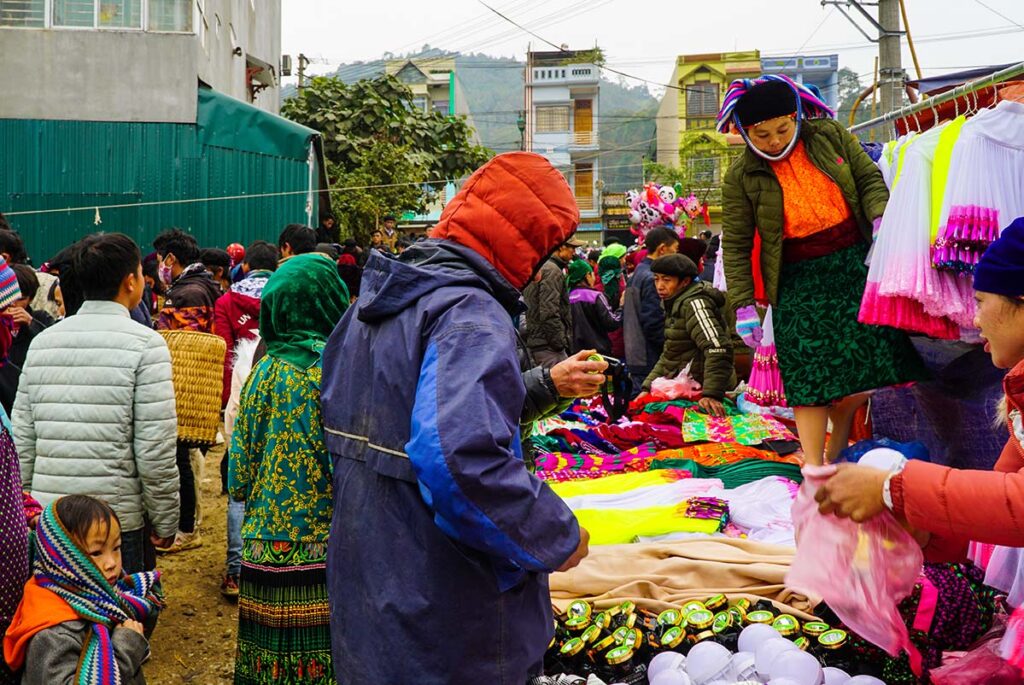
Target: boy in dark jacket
{"type": "Point", "coordinates": [643, 320]}
{"type": "Point", "coordinates": [193, 292]}
{"type": "Point", "coordinates": [695, 331]}
{"type": "Point", "coordinates": [592, 316]}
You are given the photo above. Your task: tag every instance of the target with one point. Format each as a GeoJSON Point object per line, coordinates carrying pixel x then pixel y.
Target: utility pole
{"type": "Point", "coordinates": [301, 72]}
{"type": "Point", "coordinates": [890, 65]}
{"type": "Point", "coordinates": [889, 36]}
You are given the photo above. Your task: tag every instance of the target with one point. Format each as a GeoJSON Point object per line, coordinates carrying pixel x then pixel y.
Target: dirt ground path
{"type": "Point", "coordinates": [194, 640]}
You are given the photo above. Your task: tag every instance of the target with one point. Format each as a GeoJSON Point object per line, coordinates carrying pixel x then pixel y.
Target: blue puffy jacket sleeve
{"type": "Point", "coordinates": [464, 446]}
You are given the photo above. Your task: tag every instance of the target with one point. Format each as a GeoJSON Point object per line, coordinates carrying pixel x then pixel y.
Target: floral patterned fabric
{"type": "Point", "coordinates": [824, 353]}
{"type": "Point", "coordinates": [279, 463]}
{"type": "Point", "coordinates": [745, 429]}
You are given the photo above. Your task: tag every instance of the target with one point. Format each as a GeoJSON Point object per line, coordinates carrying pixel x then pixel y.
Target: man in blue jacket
{"type": "Point", "coordinates": [442, 540]}
{"type": "Point", "coordinates": [643, 319]}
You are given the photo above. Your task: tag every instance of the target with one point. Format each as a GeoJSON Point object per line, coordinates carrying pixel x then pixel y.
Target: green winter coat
{"type": "Point", "coordinates": [752, 200]}
{"type": "Point", "coordinates": [696, 333]}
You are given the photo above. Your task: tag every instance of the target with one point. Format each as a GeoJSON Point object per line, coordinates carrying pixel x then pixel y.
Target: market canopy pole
{"type": "Point", "coordinates": [974, 86]}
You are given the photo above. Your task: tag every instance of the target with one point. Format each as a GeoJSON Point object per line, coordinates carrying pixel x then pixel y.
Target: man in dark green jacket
{"type": "Point", "coordinates": [548, 315]}
{"type": "Point", "coordinates": [696, 332]}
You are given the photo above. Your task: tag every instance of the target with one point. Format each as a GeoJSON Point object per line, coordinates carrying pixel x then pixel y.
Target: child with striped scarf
{"type": "Point", "coordinates": [80, 620]}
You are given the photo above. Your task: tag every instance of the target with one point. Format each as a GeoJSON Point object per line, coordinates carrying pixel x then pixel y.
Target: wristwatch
{"type": "Point", "coordinates": [887, 485]}
{"type": "Point", "coordinates": [887, 491]}
{"type": "Point", "coordinates": [546, 379]}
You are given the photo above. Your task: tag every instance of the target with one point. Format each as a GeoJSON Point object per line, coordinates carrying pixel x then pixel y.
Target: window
{"type": "Point", "coordinates": [702, 99]}
{"type": "Point", "coordinates": [74, 13]}
{"type": "Point", "coordinates": [120, 14]}
{"type": "Point", "coordinates": [23, 13]}
{"type": "Point", "coordinates": [552, 118]}
{"type": "Point", "coordinates": [170, 15]}
{"type": "Point", "coordinates": [419, 103]}
{"type": "Point", "coordinates": [441, 107]}
{"type": "Point", "coordinates": [115, 14]}
{"type": "Point", "coordinates": [164, 15]}
{"type": "Point", "coordinates": [704, 171]}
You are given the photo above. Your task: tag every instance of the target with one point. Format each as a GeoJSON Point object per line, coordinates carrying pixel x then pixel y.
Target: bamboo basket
{"type": "Point", "coordinates": [197, 363]}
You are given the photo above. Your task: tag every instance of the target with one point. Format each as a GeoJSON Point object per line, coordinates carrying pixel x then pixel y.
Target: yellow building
{"type": "Point", "coordinates": [686, 120]}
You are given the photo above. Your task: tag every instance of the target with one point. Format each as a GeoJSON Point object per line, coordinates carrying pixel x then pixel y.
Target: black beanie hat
{"type": "Point", "coordinates": [764, 101]}
{"type": "Point", "coordinates": [676, 265]}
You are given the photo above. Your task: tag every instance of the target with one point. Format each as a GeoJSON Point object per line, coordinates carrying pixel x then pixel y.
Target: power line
{"type": "Point", "coordinates": [559, 48]}
{"type": "Point", "coordinates": [477, 23]}
{"type": "Point", "coordinates": [254, 196]}
{"type": "Point", "coordinates": [997, 12]}
{"type": "Point", "coordinates": [814, 32]}
{"type": "Point", "coordinates": [556, 17]}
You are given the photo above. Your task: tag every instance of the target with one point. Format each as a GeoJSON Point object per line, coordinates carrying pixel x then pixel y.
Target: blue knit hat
{"type": "Point", "coordinates": [9, 290]}
{"type": "Point", "coordinates": [1001, 269]}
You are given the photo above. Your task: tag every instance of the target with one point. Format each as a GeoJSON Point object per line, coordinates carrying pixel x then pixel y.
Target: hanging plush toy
{"type": "Point", "coordinates": [654, 205]}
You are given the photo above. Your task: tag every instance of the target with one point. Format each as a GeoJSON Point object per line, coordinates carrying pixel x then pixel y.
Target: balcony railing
{"type": "Point", "coordinates": [586, 203]}
{"type": "Point", "coordinates": [584, 138]}
{"type": "Point", "coordinates": [700, 123]}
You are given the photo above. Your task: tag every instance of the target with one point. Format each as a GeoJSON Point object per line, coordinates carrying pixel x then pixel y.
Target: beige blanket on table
{"type": "Point", "coordinates": [659, 575]}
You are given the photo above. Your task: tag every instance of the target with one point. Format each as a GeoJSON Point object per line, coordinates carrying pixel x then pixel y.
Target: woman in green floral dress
{"type": "Point", "coordinates": [280, 467]}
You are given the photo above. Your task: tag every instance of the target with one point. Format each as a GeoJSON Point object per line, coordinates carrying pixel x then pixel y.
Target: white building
{"type": "Point", "coordinates": [562, 124]}
{"type": "Point", "coordinates": [135, 60]}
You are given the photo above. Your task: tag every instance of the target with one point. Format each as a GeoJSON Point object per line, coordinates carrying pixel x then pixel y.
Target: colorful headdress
{"type": "Point", "coordinates": [809, 105]}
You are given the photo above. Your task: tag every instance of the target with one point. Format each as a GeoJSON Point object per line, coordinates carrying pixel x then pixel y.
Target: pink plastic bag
{"type": "Point", "coordinates": [983, 664]}
{"type": "Point", "coordinates": [861, 570]}
{"type": "Point", "coordinates": [681, 387]}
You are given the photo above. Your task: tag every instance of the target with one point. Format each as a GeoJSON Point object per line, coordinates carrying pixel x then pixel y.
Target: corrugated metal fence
{"type": "Point", "coordinates": [59, 164]}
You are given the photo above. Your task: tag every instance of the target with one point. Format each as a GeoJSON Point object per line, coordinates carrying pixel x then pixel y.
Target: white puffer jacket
{"type": "Point", "coordinates": [95, 416]}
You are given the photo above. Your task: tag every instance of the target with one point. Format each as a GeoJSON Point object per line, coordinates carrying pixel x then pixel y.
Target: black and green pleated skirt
{"type": "Point", "coordinates": [824, 352]}
{"type": "Point", "coordinates": [284, 633]}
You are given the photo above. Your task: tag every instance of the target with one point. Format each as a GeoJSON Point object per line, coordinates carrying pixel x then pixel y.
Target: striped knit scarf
{"type": "Point", "coordinates": [61, 567]}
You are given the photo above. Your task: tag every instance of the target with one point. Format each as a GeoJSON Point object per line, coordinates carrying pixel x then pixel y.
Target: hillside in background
{"type": "Point", "coordinates": [493, 87]}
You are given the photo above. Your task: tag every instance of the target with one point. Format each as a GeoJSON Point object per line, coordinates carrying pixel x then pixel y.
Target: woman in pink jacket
{"type": "Point", "coordinates": [951, 507]}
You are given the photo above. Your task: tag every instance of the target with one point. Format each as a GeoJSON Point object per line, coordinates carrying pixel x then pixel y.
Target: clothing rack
{"type": "Point", "coordinates": [931, 103]}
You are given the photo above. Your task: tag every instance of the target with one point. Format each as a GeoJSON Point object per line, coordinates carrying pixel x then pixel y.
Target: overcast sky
{"type": "Point", "coordinates": [643, 38]}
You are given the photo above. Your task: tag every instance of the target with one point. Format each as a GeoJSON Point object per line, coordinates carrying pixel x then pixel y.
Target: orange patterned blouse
{"type": "Point", "coordinates": [812, 201]}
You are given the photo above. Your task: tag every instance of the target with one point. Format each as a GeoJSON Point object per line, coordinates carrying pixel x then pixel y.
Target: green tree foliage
{"type": "Point", "coordinates": [392, 157]}
{"type": "Point", "coordinates": [850, 88]}
{"type": "Point", "coordinates": [667, 175]}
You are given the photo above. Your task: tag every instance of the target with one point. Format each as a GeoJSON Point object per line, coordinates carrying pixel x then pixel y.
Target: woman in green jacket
{"type": "Point", "coordinates": [279, 466]}
{"type": "Point", "coordinates": [815, 198]}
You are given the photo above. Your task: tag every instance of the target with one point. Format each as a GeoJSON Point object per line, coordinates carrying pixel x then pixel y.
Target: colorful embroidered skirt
{"type": "Point", "coordinates": [825, 354]}
{"type": "Point", "coordinates": [283, 615]}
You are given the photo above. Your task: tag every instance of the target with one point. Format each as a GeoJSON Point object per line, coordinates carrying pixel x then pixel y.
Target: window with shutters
{"type": "Point", "coordinates": [702, 99]}
{"type": "Point", "coordinates": [23, 13]}
{"type": "Point", "coordinates": [552, 118]}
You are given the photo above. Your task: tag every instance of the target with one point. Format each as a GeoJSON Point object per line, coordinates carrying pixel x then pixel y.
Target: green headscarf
{"type": "Point", "coordinates": [301, 304]}
{"type": "Point", "coordinates": [617, 250]}
{"type": "Point", "coordinates": [610, 269]}
{"type": "Point", "coordinates": [578, 270]}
